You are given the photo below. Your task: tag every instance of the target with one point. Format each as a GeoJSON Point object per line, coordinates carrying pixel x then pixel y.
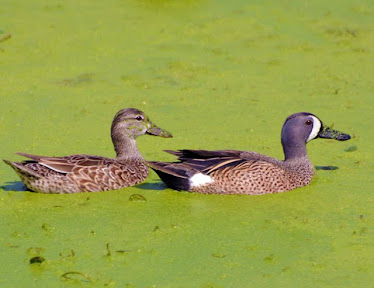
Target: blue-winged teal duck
{"type": "Point", "coordinates": [243, 172]}
{"type": "Point", "coordinates": [88, 173]}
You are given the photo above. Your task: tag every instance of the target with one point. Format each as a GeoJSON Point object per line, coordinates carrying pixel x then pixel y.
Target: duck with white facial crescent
{"type": "Point", "coordinates": [245, 172]}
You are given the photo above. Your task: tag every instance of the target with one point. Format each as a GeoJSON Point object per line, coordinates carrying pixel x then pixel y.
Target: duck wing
{"type": "Point", "coordinates": [207, 161]}
{"type": "Point", "coordinates": [66, 164]}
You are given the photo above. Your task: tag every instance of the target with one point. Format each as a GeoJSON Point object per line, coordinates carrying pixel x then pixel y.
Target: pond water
{"type": "Point", "coordinates": [218, 75]}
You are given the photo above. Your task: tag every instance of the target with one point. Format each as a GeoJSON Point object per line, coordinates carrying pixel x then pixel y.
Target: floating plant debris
{"type": "Point", "coordinates": [327, 167]}
{"type": "Point", "coordinates": [5, 37]}
{"type": "Point", "coordinates": [122, 251]}
{"type": "Point", "coordinates": [218, 255]}
{"type": "Point", "coordinates": [48, 227]}
{"type": "Point", "coordinates": [37, 259]}
{"type": "Point", "coordinates": [68, 275]}
{"type": "Point", "coordinates": [137, 198]}
{"type": "Point", "coordinates": [108, 253]}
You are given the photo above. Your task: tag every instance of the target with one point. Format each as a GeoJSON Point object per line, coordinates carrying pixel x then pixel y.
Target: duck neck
{"type": "Point", "coordinates": [294, 149]}
{"type": "Point", "coordinates": [126, 147]}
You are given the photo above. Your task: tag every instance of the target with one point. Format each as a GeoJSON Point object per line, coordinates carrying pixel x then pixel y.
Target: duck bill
{"type": "Point", "coordinates": [157, 131]}
{"type": "Point", "coordinates": [327, 132]}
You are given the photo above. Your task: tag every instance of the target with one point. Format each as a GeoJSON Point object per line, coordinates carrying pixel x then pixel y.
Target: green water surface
{"type": "Point", "coordinates": [218, 75]}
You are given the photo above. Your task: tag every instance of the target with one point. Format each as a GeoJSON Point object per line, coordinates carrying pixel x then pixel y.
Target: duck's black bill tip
{"type": "Point", "coordinates": [343, 137]}
{"type": "Point", "coordinates": [329, 133]}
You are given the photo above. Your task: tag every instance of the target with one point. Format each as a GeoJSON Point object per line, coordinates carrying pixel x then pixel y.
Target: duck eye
{"type": "Point", "coordinates": [309, 122]}
{"type": "Point", "coordinates": [139, 118]}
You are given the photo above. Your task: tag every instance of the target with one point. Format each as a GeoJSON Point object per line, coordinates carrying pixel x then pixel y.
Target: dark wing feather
{"type": "Point", "coordinates": [176, 169]}
{"type": "Point", "coordinates": [204, 154]}
{"type": "Point", "coordinates": [33, 157]}
{"type": "Point", "coordinates": [208, 161]}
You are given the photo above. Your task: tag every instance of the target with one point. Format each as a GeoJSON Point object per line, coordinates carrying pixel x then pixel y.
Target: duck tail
{"type": "Point", "coordinates": [174, 175]}
{"type": "Point", "coordinates": [22, 170]}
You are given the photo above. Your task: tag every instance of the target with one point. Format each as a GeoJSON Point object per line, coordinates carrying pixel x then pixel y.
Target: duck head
{"type": "Point", "coordinates": [127, 125]}
{"type": "Point", "coordinates": [300, 128]}
{"type": "Point", "coordinates": [132, 123]}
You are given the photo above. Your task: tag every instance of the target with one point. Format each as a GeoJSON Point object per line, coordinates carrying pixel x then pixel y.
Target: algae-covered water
{"type": "Point", "coordinates": [218, 75]}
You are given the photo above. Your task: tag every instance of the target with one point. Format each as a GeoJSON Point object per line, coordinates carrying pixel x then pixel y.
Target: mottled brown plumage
{"type": "Point", "coordinates": [244, 172]}
{"type": "Point", "coordinates": [89, 173]}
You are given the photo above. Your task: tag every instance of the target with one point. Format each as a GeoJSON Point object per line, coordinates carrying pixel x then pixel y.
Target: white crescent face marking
{"type": "Point", "coordinates": [316, 127]}
{"type": "Point", "coordinates": [200, 179]}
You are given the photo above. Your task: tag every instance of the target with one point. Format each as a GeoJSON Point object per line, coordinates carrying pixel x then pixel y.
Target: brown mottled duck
{"type": "Point", "coordinates": [89, 173]}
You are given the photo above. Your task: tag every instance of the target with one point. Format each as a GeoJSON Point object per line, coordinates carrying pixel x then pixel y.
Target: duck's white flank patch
{"type": "Point", "coordinates": [316, 127]}
{"type": "Point", "coordinates": [200, 179]}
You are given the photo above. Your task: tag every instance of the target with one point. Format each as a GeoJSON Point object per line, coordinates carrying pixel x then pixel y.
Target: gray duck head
{"type": "Point", "coordinates": [300, 128]}
{"type": "Point", "coordinates": [130, 123]}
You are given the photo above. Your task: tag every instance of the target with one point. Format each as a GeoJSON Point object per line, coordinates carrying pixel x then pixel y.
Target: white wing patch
{"type": "Point", "coordinates": [316, 127]}
{"type": "Point", "coordinates": [200, 179]}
